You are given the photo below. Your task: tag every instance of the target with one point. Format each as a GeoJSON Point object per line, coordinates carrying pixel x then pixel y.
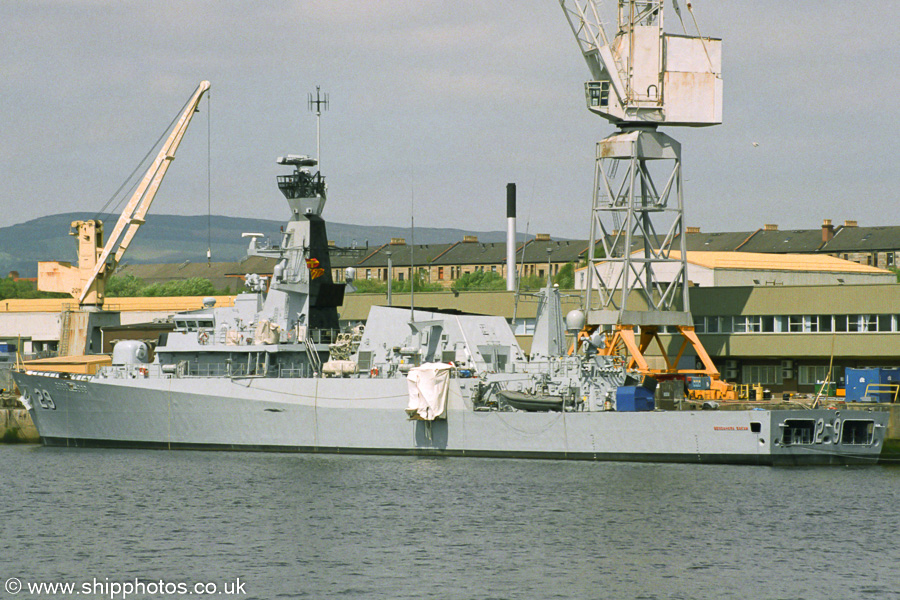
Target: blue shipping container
{"type": "Point", "coordinates": [890, 375]}
{"type": "Point", "coordinates": [630, 398]}
{"type": "Point", "coordinates": [858, 380]}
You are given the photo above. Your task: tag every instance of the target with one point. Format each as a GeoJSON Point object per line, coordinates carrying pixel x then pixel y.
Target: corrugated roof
{"type": "Point", "coordinates": [757, 261]}
{"type": "Point", "coordinates": [149, 304]}
{"type": "Point", "coordinates": [81, 359]}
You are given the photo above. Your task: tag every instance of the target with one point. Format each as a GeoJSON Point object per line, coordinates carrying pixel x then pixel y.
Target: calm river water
{"type": "Point", "coordinates": [318, 526]}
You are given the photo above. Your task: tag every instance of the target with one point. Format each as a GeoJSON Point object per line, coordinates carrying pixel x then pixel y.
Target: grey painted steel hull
{"type": "Point", "coordinates": [367, 416]}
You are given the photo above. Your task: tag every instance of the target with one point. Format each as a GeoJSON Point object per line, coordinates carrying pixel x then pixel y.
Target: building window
{"type": "Point", "coordinates": [810, 324]}
{"type": "Point", "coordinates": [762, 374]}
{"type": "Point", "coordinates": [368, 273]}
{"type": "Point", "coordinates": [400, 276]}
{"type": "Point", "coordinates": [798, 324]}
{"type": "Point", "coordinates": [868, 323]}
{"type": "Point", "coordinates": [523, 327]}
{"type": "Point", "coordinates": [754, 324]}
{"type": "Point", "coordinates": [840, 323]}
{"type": "Point", "coordinates": [815, 374]}
{"type": "Point", "coordinates": [700, 324]}
{"type": "Point", "coordinates": [727, 324]}
{"type": "Point", "coordinates": [440, 272]}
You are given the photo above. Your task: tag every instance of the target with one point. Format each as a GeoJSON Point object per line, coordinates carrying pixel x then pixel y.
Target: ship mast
{"type": "Point", "coordinates": [318, 104]}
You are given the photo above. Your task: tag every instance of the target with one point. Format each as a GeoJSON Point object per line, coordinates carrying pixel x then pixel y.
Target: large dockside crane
{"type": "Point", "coordinates": [643, 78]}
{"type": "Point", "coordinates": [97, 262]}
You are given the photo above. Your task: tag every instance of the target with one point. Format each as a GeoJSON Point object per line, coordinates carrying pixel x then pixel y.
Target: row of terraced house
{"type": "Point", "coordinates": [445, 263]}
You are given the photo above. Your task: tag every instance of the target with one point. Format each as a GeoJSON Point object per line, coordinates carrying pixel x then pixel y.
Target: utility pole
{"type": "Point", "coordinates": [390, 276]}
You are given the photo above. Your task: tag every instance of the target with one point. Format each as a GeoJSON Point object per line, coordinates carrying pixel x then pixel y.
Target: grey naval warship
{"type": "Point", "coordinates": [274, 372]}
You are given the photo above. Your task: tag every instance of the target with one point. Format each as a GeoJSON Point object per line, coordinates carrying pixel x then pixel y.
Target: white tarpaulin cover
{"type": "Point", "coordinates": [429, 386]}
{"type": "Point", "coordinates": [266, 333]}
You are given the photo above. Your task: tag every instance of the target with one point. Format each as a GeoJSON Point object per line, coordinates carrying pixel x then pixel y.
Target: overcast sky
{"type": "Point", "coordinates": [445, 102]}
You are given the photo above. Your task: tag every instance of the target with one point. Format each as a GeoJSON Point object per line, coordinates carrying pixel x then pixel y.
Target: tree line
{"type": "Point", "coordinates": [129, 286]}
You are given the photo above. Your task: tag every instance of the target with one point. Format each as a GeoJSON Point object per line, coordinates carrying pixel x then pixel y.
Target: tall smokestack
{"type": "Point", "coordinates": [511, 237]}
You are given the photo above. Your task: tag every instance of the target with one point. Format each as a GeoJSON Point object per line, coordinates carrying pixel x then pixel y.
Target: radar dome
{"type": "Point", "coordinates": [575, 320]}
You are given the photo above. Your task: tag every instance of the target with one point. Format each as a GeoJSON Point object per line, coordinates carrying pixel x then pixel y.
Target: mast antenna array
{"type": "Point", "coordinates": [318, 104]}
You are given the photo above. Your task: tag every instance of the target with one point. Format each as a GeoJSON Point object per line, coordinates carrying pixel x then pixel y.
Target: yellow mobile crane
{"type": "Point", "coordinates": [86, 281]}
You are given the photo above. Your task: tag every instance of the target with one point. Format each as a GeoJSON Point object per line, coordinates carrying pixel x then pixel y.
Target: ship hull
{"type": "Point", "coordinates": [367, 416]}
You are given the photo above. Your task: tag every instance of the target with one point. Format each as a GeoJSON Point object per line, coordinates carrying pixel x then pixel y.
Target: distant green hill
{"type": "Point", "coordinates": [172, 238]}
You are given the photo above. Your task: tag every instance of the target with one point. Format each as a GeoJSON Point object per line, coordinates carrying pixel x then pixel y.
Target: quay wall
{"type": "Point", "coordinates": [16, 426]}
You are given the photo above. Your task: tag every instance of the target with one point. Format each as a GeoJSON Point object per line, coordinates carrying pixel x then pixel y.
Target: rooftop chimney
{"type": "Point", "coordinates": [827, 231]}
{"type": "Point", "coordinates": [770, 227]}
{"type": "Point", "coordinates": [470, 239]}
{"type": "Point", "coordinates": [849, 223]}
{"type": "Point", "coordinates": [331, 244]}
{"type": "Point", "coordinates": [692, 230]}
{"type": "Point", "coordinates": [398, 241]}
{"type": "Point", "coordinates": [542, 237]}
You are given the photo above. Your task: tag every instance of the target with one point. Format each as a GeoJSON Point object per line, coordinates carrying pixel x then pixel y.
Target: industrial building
{"type": "Point", "coordinates": [874, 246]}
{"type": "Point", "coordinates": [728, 269]}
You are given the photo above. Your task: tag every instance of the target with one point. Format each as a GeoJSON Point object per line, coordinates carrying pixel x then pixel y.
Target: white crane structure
{"type": "Point", "coordinates": [642, 78]}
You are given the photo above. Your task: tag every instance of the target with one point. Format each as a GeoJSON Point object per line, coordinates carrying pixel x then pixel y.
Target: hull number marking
{"type": "Point", "coordinates": [42, 398]}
